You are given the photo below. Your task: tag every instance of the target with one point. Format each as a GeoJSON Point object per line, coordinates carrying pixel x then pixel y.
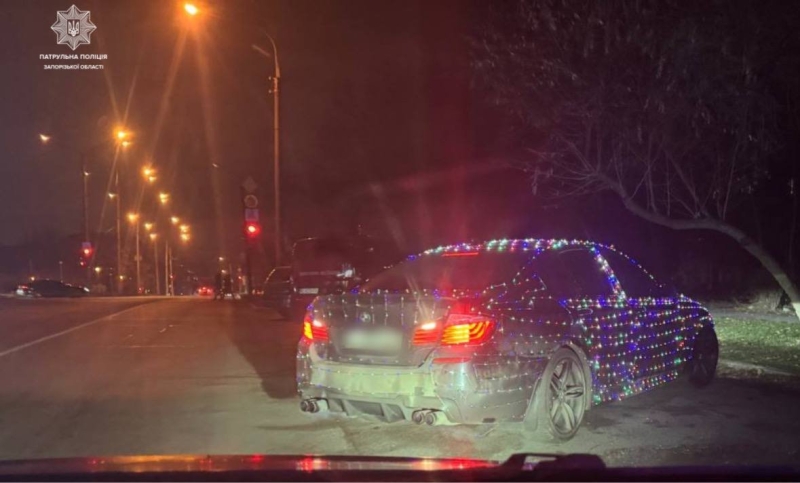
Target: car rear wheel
{"type": "Point", "coordinates": [705, 355]}
{"type": "Point", "coordinates": [558, 407]}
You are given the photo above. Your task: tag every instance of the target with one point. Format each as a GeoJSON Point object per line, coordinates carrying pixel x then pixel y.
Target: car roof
{"type": "Point", "coordinates": [533, 245]}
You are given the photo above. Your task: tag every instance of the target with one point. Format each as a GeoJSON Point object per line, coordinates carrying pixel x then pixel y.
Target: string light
{"type": "Point", "coordinates": [633, 344]}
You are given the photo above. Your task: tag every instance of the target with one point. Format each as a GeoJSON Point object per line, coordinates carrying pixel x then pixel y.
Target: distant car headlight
{"type": "Point", "coordinates": [86, 289]}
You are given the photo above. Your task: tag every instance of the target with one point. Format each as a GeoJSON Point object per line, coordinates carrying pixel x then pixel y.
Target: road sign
{"type": "Point", "coordinates": [249, 185]}
{"type": "Point", "coordinates": [251, 214]}
{"type": "Point", "coordinates": [250, 201]}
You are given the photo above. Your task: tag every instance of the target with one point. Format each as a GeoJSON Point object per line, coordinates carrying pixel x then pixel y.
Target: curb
{"type": "Point", "coordinates": [759, 370]}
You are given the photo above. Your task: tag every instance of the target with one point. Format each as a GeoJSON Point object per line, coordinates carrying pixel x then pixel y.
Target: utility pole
{"type": "Point", "coordinates": [276, 130]}
{"type": "Point", "coordinates": [61, 270]}
{"type": "Point", "coordinates": [166, 266]}
{"type": "Point", "coordinates": [171, 272]}
{"type": "Point", "coordinates": [276, 119]}
{"type": "Point", "coordinates": [155, 264]}
{"type": "Point", "coordinates": [138, 262]}
{"type": "Point", "coordinates": [119, 232]}
{"type": "Point", "coordinates": [85, 176]}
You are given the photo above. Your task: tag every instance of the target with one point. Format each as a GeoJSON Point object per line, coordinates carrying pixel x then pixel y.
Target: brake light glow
{"type": "Point", "coordinates": [460, 254]}
{"type": "Point", "coordinates": [426, 334]}
{"type": "Point", "coordinates": [468, 333]}
{"type": "Point", "coordinates": [314, 330]}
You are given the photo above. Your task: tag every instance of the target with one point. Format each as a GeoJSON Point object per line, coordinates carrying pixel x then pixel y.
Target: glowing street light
{"type": "Point", "coordinates": [44, 138]}
{"type": "Point", "coordinates": [112, 196]}
{"type": "Point", "coordinates": [153, 236]}
{"type": "Point", "coordinates": [122, 134]}
{"type": "Point", "coordinates": [175, 220]}
{"type": "Point", "coordinates": [191, 9]}
{"type": "Point", "coordinates": [163, 198]}
{"type": "Point", "coordinates": [149, 173]}
{"type": "Point", "coordinates": [184, 228]}
{"type": "Point", "coordinates": [97, 270]}
{"type": "Point", "coordinates": [185, 237]}
{"type": "Point", "coordinates": [148, 226]}
{"type": "Point", "coordinates": [132, 217]}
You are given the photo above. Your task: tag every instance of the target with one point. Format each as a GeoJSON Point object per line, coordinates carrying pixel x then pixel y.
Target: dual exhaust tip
{"type": "Point", "coordinates": [431, 417]}
{"type": "Point", "coordinates": [313, 405]}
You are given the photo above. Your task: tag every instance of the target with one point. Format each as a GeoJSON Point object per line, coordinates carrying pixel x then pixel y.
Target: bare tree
{"type": "Point", "coordinates": [666, 104]}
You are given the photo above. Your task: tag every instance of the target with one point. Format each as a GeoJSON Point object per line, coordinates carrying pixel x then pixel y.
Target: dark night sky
{"type": "Point", "coordinates": [380, 124]}
{"type": "Point", "coordinates": [375, 98]}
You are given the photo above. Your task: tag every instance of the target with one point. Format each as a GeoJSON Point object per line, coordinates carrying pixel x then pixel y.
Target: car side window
{"type": "Point", "coordinates": [635, 281]}
{"type": "Point", "coordinates": [525, 284]}
{"type": "Point", "coordinates": [572, 273]}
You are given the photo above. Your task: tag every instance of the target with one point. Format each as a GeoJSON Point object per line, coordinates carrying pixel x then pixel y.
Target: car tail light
{"type": "Point", "coordinates": [467, 329]}
{"type": "Point", "coordinates": [314, 330]}
{"type": "Point", "coordinates": [460, 327]}
{"type": "Point", "coordinates": [427, 334]}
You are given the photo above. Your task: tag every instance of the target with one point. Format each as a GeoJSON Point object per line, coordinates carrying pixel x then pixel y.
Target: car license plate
{"type": "Point", "coordinates": [308, 291]}
{"type": "Point", "coordinates": [386, 341]}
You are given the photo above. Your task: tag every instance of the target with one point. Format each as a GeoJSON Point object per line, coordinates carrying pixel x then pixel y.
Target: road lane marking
{"type": "Point", "coordinates": [67, 331]}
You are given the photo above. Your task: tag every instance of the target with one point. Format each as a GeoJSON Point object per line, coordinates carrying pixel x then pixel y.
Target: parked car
{"type": "Point", "coordinates": [535, 331]}
{"type": "Point", "coordinates": [50, 288]}
{"type": "Point", "coordinates": [278, 289]}
{"type": "Point", "coordinates": [333, 265]}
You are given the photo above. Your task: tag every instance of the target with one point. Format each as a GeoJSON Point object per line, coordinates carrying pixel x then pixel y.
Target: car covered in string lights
{"type": "Point", "coordinates": [535, 331]}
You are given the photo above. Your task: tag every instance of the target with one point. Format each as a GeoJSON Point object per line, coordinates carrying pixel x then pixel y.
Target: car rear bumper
{"type": "Point", "coordinates": [394, 393]}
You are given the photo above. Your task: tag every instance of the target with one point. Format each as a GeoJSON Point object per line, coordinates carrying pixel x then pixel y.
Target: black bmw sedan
{"type": "Point", "coordinates": [535, 331]}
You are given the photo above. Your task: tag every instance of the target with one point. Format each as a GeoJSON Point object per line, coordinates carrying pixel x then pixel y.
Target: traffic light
{"type": "Point", "coordinates": [252, 229]}
{"type": "Point", "coordinates": [86, 256]}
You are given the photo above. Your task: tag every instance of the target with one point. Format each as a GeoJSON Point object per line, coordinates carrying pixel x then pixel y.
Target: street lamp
{"type": "Point", "coordinates": [44, 138]}
{"type": "Point", "coordinates": [154, 238]}
{"type": "Point", "coordinates": [134, 218]}
{"type": "Point", "coordinates": [149, 174]}
{"type": "Point", "coordinates": [163, 198]}
{"type": "Point", "coordinates": [175, 220]}
{"type": "Point", "coordinates": [192, 10]}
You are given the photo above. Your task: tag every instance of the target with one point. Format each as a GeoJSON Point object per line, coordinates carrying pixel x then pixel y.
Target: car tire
{"type": "Point", "coordinates": [705, 354]}
{"type": "Point", "coordinates": [559, 403]}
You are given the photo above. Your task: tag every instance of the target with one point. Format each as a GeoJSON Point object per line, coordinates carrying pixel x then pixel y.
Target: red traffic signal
{"type": "Point", "coordinates": [252, 229]}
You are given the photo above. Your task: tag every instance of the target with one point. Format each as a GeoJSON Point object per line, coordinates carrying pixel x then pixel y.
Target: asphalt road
{"type": "Point", "coordinates": [101, 377]}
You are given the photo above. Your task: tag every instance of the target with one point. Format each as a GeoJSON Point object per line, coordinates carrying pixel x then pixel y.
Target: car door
{"type": "Point", "coordinates": [661, 322]}
{"type": "Point", "coordinates": [530, 314]}
{"type": "Point", "coordinates": [579, 277]}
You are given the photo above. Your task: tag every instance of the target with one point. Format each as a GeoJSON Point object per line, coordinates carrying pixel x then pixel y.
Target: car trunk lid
{"type": "Point", "coordinates": [378, 328]}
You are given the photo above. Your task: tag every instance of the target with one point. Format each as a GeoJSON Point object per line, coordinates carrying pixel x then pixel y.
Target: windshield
{"type": "Point", "coordinates": [401, 228]}
{"type": "Point", "coordinates": [465, 271]}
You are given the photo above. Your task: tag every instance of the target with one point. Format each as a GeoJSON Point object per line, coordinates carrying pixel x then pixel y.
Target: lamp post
{"type": "Point", "coordinates": [122, 137]}
{"type": "Point", "coordinates": [134, 218]}
{"type": "Point", "coordinates": [154, 239]}
{"type": "Point", "coordinates": [192, 10]}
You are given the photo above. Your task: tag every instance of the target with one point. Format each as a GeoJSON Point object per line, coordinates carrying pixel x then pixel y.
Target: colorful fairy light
{"type": "Point", "coordinates": [632, 343]}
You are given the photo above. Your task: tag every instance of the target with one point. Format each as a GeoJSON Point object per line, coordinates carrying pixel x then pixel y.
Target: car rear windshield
{"type": "Point", "coordinates": [467, 271]}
